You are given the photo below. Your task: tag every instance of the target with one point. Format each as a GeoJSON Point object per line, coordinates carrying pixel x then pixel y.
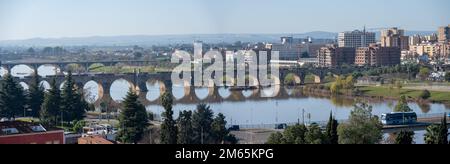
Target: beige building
{"type": "Point", "coordinates": [444, 34]}
{"type": "Point", "coordinates": [356, 39]}
{"type": "Point", "coordinates": [376, 55]}
{"type": "Point", "coordinates": [394, 37]}
{"type": "Point", "coordinates": [332, 56]}
{"type": "Point", "coordinates": [429, 49]}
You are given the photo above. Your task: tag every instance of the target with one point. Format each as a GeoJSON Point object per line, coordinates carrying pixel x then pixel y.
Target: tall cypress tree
{"type": "Point", "coordinates": [12, 98]}
{"type": "Point", "coordinates": [443, 132]}
{"type": "Point", "coordinates": [73, 104]}
{"type": "Point", "coordinates": [219, 131]}
{"type": "Point", "coordinates": [331, 130]}
{"type": "Point", "coordinates": [184, 123]}
{"type": "Point", "coordinates": [201, 123]}
{"type": "Point", "coordinates": [133, 119]}
{"type": "Point", "coordinates": [51, 107]}
{"type": "Point", "coordinates": [168, 127]}
{"type": "Point", "coordinates": [405, 138]}
{"type": "Point", "coordinates": [35, 95]}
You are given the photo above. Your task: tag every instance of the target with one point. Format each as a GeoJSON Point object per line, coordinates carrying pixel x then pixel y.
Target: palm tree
{"type": "Point", "coordinates": [432, 134]}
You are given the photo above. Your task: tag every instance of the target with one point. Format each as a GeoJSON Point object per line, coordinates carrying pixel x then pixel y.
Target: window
{"type": "Point", "coordinates": [48, 142]}
{"type": "Point", "coordinates": [9, 131]}
{"type": "Point", "coordinates": [56, 142]}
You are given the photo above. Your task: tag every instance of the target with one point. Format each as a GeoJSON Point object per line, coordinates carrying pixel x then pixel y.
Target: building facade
{"type": "Point", "coordinates": [291, 49]}
{"type": "Point", "coordinates": [17, 132]}
{"type": "Point", "coordinates": [376, 55]}
{"type": "Point", "coordinates": [394, 37]}
{"type": "Point", "coordinates": [444, 34]}
{"type": "Point", "coordinates": [332, 56]}
{"type": "Point", "coordinates": [429, 49]}
{"type": "Point", "coordinates": [355, 39]}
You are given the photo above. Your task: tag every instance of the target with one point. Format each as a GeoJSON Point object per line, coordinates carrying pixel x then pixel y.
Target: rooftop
{"type": "Point", "coordinates": [21, 127]}
{"type": "Point", "coordinates": [94, 140]}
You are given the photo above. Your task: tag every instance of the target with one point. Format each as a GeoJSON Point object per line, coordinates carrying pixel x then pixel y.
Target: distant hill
{"type": "Point", "coordinates": [148, 40]}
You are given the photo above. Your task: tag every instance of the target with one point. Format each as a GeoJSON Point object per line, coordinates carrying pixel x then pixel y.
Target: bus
{"type": "Point", "coordinates": [399, 118]}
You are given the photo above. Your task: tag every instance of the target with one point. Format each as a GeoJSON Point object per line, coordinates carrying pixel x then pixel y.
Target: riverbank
{"type": "Point", "coordinates": [412, 94]}
{"type": "Point", "coordinates": [377, 93]}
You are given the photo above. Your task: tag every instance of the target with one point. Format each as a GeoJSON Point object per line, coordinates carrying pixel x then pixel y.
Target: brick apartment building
{"type": "Point", "coordinates": [332, 56]}
{"type": "Point", "coordinates": [375, 55]}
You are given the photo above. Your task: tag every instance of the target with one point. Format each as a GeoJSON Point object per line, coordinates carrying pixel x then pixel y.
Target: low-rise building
{"type": "Point", "coordinates": [19, 132]}
{"type": "Point", "coordinates": [95, 140]}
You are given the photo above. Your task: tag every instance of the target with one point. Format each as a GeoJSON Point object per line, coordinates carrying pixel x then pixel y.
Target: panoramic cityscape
{"type": "Point", "coordinates": [215, 72]}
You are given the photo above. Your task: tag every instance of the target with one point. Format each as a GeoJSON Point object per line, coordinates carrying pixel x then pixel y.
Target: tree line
{"type": "Point", "coordinates": [197, 127]}
{"type": "Point", "coordinates": [53, 107]}
{"type": "Point", "coordinates": [361, 128]}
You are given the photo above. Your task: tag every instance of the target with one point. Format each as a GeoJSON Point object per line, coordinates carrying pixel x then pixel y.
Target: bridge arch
{"type": "Point", "coordinates": [272, 90]}
{"type": "Point", "coordinates": [155, 89]}
{"type": "Point", "coordinates": [24, 85]}
{"type": "Point", "coordinates": [119, 89]}
{"type": "Point", "coordinates": [48, 70]}
{"type": "Point", "coordinates": [93, 91]}
{"type": "Point", "coordinates": [45, 84]}
{"type": "Point", "coordinates": [228, 81]}
{"type": "Point", "coordinates": [204, 92]}
{"type": "Point", "coordinates": [94, 66]}
{"type": "Point", "coordinates": [75, 68]}
{"type": "Point", "coordinates": [181, 90]}
{"type": "Point", "coordinates": [22, 70]}
{"type": "Point", "coordinates": [292, 79]}
{"type": "Point", "coordinates": [252, 81]}
{"type": "Point", "coordinates": [3, 71]}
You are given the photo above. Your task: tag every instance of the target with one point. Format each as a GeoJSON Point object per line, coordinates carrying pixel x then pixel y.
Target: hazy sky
{"type": "Point", "coordinates": [21, 19]}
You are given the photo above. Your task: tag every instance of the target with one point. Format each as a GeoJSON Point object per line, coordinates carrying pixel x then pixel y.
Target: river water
{"type": "Point", "coordinates": [268, 111]}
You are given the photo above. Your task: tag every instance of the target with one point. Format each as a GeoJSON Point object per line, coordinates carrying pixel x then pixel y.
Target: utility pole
{"type": "Point", "coordinates": [62, 121]}
{"type": "Point", "coordinates": [201, 141]}
{"type": "Point", "coordinates": [303, 116]}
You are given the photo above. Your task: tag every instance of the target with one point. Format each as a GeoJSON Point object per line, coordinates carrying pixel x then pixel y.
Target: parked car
{"type": "Point", "coordinates": [234, 128]}
{"type": "Point", "coordinates": [280, 126]}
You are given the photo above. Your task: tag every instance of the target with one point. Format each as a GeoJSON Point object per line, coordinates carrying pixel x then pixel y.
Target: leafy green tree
{"type": "Point", "coordinates": [185, 130]}
{"type": "Point", "coordinates": [331, 131]}
{"type": "Point", "coordinates": [12, 98]}
{"type": "Point", "coordinates": [399, 85]}
{"type": "Point", "coordinates": [405, 138]}
{"type": "Point", "coordinates": [402, 105]}
{"type": "Point", "coordinates": [36, 95]}
{"type": "Point", "coordinates": [78, 126]}
{"type": "Point", "coordinates": [335, 88]}
{"type": "Point", "coordinates": [51, 107]}
{"type": "Point", "coordinates": [314, 135]}
{"type": "Point", "coordinates": [201, 123]}
{"type": "Point", "coordinates": [73, 105]}
{"type": "Point", "coordinates": [362, 127]}
{"type": "Point", "coordinates": [447, 76]}
{"type": "Point", "coordinates": [133, 119]}
{"type": "Point", "coordinates": [219, 130]}
{"type": "Point", "coordinates": [424, 73]}
{"type": "Point", "coordinates": [432, 134]}
{"type": "Point", "coordinates": [275, 138]}
{"type": "Point", "coordinates": [425, 94]}
{"type": "Point", "coordinates": [168, 128]}
{"type": "Point", "coordinates": [349, 82]}
{"type": "Point", "coordinates": [295, 134]}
